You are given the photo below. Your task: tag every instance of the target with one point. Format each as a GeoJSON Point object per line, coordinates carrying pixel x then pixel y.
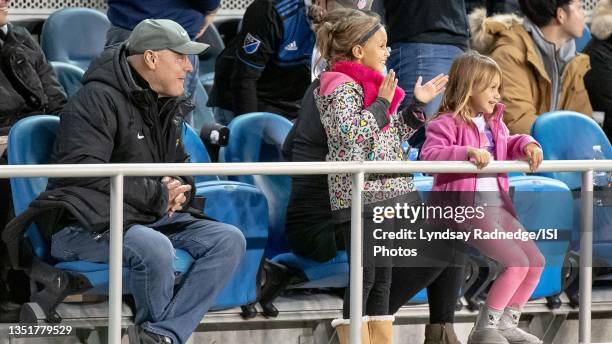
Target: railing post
{"type": "Point", "coordinates": [356, 267]}
{"type": "Point", "coordinates": [586, 257]}
{"type": "Point", "coordinates": [116, 259]}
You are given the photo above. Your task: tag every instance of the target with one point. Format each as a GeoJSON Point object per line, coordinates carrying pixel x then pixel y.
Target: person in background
{"type": "Point", "coordinates": [266, 67]}
{"type": "Point", "coordinates": [28, 86]}
{"type": "Point", "coordinates": [426, 45]}
{"type": "Point", "coordinates": [598, 80]}
{"type": "Point", "coordinates": [493, 6]}
{"type": "Point", "coordinates": [543, 72]}
{"type": "Point", "coordinates": [193, 16]}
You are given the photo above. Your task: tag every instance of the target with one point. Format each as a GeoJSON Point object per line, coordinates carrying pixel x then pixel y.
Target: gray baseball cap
{"type": "Point", "coordinates": [364, 5]}
{"type": "Point", "coordinates": [160, 34]}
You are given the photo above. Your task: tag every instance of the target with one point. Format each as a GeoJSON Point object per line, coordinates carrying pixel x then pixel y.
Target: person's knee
{"type": "Point", "coordinates": [537, 260]}
{"type": "Point", "coordinates": [232, 241]}
{"type": "Point", "coordinates": [148, 247]}
{"type": "Point", "coordinates": [517, 272]}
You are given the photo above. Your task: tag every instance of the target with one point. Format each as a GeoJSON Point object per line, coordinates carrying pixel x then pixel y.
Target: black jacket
{"type": "Point", "coordinates": [431, 21]}
{"type": "Point", "coordinates": [598, 80]}
{"type": "Point", "coordinates": [113, 120]}
{"type": "Point", "coordinates": [266, 67]}
{"type": "Point", "coordinates": [27, 82]}
{"type": "Point", "coordinates": [307, 141]}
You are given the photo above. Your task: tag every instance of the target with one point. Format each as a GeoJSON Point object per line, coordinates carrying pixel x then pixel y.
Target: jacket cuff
{"type": "Point", "coordinates": [163, 196]}
{"type": "Point", "coordinates": [413, 115]}
{"type": "Point", "coordinates": [527, 139]}
{"type": "Point", "coordinates": [379, 110]}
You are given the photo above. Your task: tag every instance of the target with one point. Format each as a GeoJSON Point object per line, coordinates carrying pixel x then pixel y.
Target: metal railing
{"type": "Point", "coordinates": [118, 171]}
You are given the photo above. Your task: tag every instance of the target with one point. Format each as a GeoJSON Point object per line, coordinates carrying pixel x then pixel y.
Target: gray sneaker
{"type": "Point", "coordinates": [486, 336]}
{"type": "Point", "coordinates": [515, 335]}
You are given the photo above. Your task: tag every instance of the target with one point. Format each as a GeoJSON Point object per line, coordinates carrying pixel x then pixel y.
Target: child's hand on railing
{"type": "Point", "coordinates": [480, 157]}
{"type": "Point", "coordinates": [534, 156]}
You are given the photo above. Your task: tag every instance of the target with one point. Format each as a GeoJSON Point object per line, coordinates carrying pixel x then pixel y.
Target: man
{"type": "Point", "coordinates": [27, 86]}
{"type": "Point", "coordinates": [598, 80]}
{"type": "Point", "coordinates": [542, 71]}
{"type": "Point", "coordinates": [427, 45]}
{"type": "Point", "coordinates": [129, 111]}
{"type": "Point", "coordinates": [193, 16]}
{"type": "Point", "coordinates": [266, 67]}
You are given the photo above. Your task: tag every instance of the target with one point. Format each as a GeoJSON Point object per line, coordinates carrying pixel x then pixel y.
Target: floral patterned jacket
{"type": "Point", "coordinates": [356, 133]}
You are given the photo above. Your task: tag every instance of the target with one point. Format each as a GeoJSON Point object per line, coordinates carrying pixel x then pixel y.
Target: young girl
{"type": "Point", "coordinates": [357, 106]}
{"type": "Point", "coordinates": [470, 127]}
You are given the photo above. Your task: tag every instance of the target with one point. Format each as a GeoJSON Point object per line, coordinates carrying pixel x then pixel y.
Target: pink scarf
{"type": "Point", "coordinates": [370, 81]}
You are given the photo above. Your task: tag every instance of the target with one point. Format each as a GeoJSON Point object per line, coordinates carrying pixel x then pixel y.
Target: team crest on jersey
{"type": "Point", "coordinates": [251, 44]}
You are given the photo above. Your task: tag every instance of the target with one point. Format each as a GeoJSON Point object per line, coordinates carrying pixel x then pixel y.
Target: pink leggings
{"type": "Point", "coordinates": [522, 260]}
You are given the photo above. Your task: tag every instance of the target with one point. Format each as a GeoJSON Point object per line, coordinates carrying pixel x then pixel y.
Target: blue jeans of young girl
{"type": "Point", "coordinates": [217, 249]}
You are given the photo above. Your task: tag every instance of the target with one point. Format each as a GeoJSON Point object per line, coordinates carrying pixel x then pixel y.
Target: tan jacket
{"type": "Point", "coordinates": [526, 85]}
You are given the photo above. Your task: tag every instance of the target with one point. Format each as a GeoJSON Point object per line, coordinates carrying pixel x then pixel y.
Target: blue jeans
{"type": "Point", "coordinates": [217, 249]}
{"type": "Point", "coordinates": [117, 35]}
{"type": "Point", "coordinates": [411, 60]}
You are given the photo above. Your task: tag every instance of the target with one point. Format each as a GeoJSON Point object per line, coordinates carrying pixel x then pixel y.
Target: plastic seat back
{"type": "Point", "coordinates": [583, 40]}
{"type": "Point", "coordinates": [258, 137]}
{"type": "Point", "coordinates": [196, 151]}
{"type": "Point", "coordinates": [74, 36]}
{"type": "Point", "coordinates": [568, 135]}
{"type": "Point", "coordinates": [69, 76]}
{"type": "Point", "coordinates": [545, 203]}
{"type": "Point", "coordinates": [31, 143]}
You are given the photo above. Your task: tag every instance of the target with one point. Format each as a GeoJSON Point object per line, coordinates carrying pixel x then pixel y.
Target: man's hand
{"type": "Point", "coordinates": [176, 194]}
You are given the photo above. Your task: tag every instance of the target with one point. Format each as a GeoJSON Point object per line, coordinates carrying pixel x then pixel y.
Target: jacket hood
{"type": "Point", "coordinates": [601, 26]}
{"type": "Point", "coordinates": [111, 68]}
{"type": "Point", "coordinates": [484, 29]}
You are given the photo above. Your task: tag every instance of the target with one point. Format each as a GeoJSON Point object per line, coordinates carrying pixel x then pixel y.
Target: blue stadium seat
{"type": "Point", "coordinates": [74, 36]}
{"type": "Point", "coordinates": [542, 202]}
{"type": "Point", "coordinates": [238, 204]}
{"type": "Point", "coordinates": [30, 143]}
{"type": "Point", "coordinates": [196, 151]}
{"type": "Point", "coordinates": [258, 137]}
{"type": "Point", "coordinates": [245, 207]}
{"type": "Point", "coordinates": [583, 40]}
{"type": "Point", "coordinates": [69, 76]}
{"type": "Point", "coordinates": [568, 135]}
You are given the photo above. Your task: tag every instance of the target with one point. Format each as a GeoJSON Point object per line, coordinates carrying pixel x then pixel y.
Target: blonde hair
{"type": "Point", "coordinates": [341, 30]}
{"type": "Point", "coordinates": [471, 73]}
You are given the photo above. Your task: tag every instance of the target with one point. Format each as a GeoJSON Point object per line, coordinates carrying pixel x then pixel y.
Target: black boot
{"type": "Point", "coordinates": [137, 335]}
